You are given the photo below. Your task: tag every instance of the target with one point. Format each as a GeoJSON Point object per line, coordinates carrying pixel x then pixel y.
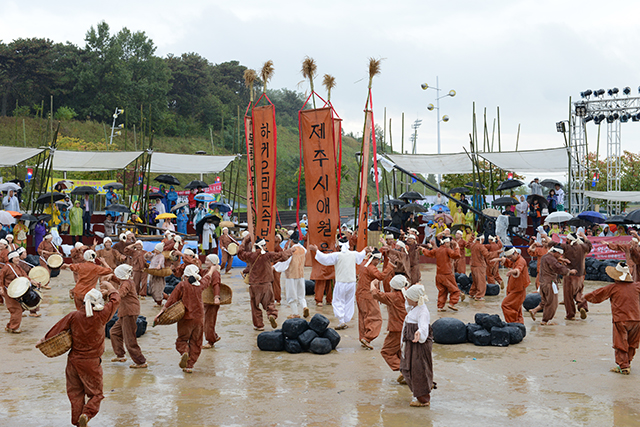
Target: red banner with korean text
{"type": "Point", "coordinates": [337, 143]}
{"type": "Point", "coordinates": [599, 250]}
{"type": "Point", "coordinates": [248, 139]}
{"type": "Point", "coordinates": [264, 154]}
{"type": "Point", "coordinates": [363, 207]}
{"type": "Point", "coordinates": [319, 159]}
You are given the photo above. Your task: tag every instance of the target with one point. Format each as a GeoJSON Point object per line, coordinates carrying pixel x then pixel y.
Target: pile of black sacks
{"type": "Point", "coordinates": [595, 269]}
{"type": "Point", "coordinates": [488, 329]}
{"type": "Point", "coordinates": [141, 325]}
{"type": "Point", "coordinates": [170, 283]}
{"type": "Point", "coordinates": [464, 284]}
{"type": "Point", "coordinates": [298, 335]}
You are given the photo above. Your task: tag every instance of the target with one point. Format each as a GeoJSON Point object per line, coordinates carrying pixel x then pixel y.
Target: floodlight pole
{"type": "Point", "coordinates": [451, 93]}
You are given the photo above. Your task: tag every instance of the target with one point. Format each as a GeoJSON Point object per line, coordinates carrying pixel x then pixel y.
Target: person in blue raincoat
{"type": "Point", "coordinates": [165, 202]}
{"type": "Point", "coordinates": [112, 198]}
{"type": "Point", "coordinates": [172, 198]}
{"type": "Point", "coordinates": [182, 220]}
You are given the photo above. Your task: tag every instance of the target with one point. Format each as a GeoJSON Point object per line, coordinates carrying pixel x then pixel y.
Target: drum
{"type": "Point", "coordinates": [232, 248]}
{"type": "Point", "coordinates": [21, 290]}
{"type": "Point", "coordinates": [55, 261]}
{"type": "Point", "coordinates": [40, 275]}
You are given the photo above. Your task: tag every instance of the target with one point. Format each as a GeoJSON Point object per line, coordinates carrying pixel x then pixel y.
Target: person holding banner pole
{"type": "Point", "coordinates": [576, 248]}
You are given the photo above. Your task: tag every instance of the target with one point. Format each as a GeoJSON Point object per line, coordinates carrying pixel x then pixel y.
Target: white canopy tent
{"type": "Point", "coordinates": [188, 163]}
{"type": "Point", "coordinates": [11, 156]}
{"type": "Point", "coordinates": [88, 161]}
{"type": "Point", "coordinates": [615, 196]}
{"type": "Point", "coordinates": [437, 164]}
{"type": "Point", "coordinates": [530, 161]}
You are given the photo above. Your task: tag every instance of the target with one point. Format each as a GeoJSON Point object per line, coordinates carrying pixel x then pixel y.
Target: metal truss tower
{"type": "Point", "coordinates": [613, 164]}
{"type": "Point", "coordinates": [578, 172]}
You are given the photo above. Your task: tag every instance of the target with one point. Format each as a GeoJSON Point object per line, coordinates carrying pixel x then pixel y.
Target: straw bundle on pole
{"type": "Point", "coordinates": [266, 73]}
{"type": "Point", "coordinates": [249, 78]}
{"type": "Point", "coordinates": [329, 83]}
{"type": "Point", "coordinates": [309, 69]}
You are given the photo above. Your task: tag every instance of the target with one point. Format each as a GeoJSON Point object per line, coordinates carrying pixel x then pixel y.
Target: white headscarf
{"type": "Point", "coordinates": [78, 245]}
{"type": "Point", "coordinates": [93, 301]}
{"type": "Point", "coordinates": [123, 271]}
{"type": "Point", "coordinates": [90, 256]}
{"type": "Point", "coordinates": [399, 282]}
{"type": "Point", "coordinates": [107, 239]}
{"type": "Point", "coordinates": [372, 255]}
{"type": "Point", "coordinates": [213, 259]}
{"type": "Point", "coordinates": [261, 244]}
{"type": "Point", "coordinates": [416, 293]}
{"type": "Point", "coordinates": [189, 252]}
{"type": "Point", "coordinates": [401, 245]}
{"type": "Point", "coordinates": [192, 271]}
{"type": "Point", "coordinates": [159, 247]}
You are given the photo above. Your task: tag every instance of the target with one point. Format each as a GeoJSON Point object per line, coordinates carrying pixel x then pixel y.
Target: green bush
{"type": "Point", "coordinates": [22, 111]}
{"type": "Point", "coordinates": [65, 113]}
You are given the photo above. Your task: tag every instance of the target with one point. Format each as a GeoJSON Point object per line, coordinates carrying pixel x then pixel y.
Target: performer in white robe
{"type": "Point", "coordinates": [344, 293]}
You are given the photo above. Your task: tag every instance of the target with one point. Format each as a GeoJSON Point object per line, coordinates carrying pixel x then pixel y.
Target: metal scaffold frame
{"type": "Point", "coordinates": [578, 170]}
{"type": "Point", "coordinates": [613, 164]}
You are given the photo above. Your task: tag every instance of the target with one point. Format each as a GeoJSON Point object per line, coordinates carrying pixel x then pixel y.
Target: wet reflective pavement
{"type": "Point", "coordinates": [557, 376]}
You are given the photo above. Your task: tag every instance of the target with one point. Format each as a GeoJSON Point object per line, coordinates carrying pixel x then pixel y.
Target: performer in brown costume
{"type": "Point", "coordinates": [550, 268]}
{"type": "Point", "coordinates": [260, 263]}
{"type": "Point", "coordinates": [538, 250]}
{"type": "Point", "coordinates": [88, 274]}
{"type": "Point", "coordinates": [625, 313]}
{"type": "Point", "coordinates": [414, 258]}
{"type": "Point", "coordinates": [445, 279]}
{"type": "Point", "coordinates": [84, 370]}
{"type": "Point", "coordinates": [156, 283]}
{"type": "Point", "coordinates": [575, 250]}
{"type": "Point", "coordinates": [227, 258]}
{"type": "Point", "coordinates": [211, 310]}
{"type": "Point", "coordinates": [478, 267]}
{"type": "Point", "coordinates": [416, 364]}
{"type": "Point", "coordinates": [8, 274]}
{"type": "Point", "coordinates": [323, 276]}
{"type": "Point", "coordinates": [369, 315]}
{"type": "Point", "coordinates": [112, 256]}
{"type": "Point", "coordinates": [460, 264]}
{"type": "Point", "coordinates": [391, 350]}
{"type": "Point", "coordinates": [631, 253]}
{"type": "Point", "coordinates": [137, 256]}
{"type": "Point", "coordinates": [517, 283]}
{"type": "Point", "coordinates": [493, 269]}
{"type": "Point", "coordinates": [191, 326]}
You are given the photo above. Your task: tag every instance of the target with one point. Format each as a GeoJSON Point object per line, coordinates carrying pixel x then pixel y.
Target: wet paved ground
{"type": "Point", "coordinates": [558, 376]}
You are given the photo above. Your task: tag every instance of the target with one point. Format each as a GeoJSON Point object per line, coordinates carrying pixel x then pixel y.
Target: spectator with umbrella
{"type": "Point", "coordinates": [87, 211]}
{"type": "Point", "coordinates": [552, 201]}
{"type": "Point", "coordinates": [172, 198]}
{"type": "Point", "coordinates": [10, 202]}
{"type": "Point", "coordinates": [535, 213]}
{"type": "Point", "coordinates": [199, 213]}
{"type": "Point", "coordinates": [396, 217]}
{"type": "Point", "coordinates": [411, 222]}
{"type": "Point", "coordinates": [75, 221]}
{"type": "Point", "coordinates": [521, 211]}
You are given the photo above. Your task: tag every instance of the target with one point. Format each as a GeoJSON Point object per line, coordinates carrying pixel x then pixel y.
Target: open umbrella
{"type": "Point", "coordinates": [117, 208]}
{"type": "Point", "coordinates": [213, 218]}
{"type": "Point", "coordinates": [204, 197]}
{"type": "Point", "coordinates": [541, 200]}
{"type": "Point", "coordinates": [44, 217]}
{"type": "Point", "coordinates": [508, 184]}
{"type": "Point", "coordinates": [375, 225]}
{"type": "Point", "coordinates": [63, 185]}
{"type": "Point", "coordinates": [6, 218]}
{"type": "Point", "coordinates": [393, 230]}
{"type": "Point", "coordinates": [578, 222]}
{"type": "Point", "coordinates": [396, 202]}
{"type": "Point", "coordinates": [411, 195]}
{"type": "Point", "coordinates": [440, 208]}
{"type": "Point", "coordinates": [505, 201]}
{"type": "Point", "coordinates": [448, 219]}
{"type": "Point", "coordinates": [196, 184]}
{"type": "Point", "coordinates": [167, 179]}
{"type": "Point", "coordinates": [559, 216]}
{"type": "Point", "coordinates": [179, 205]}
{"type": "Point", "coordinates": [550, 183]}
{"type": "Point", "coordinates": [457, 227]}
{"type": "Point", "coordinates": [46, 198]}
{"type": "Point", "coordinates": [475, 185]}
{"type": "Point", "coordinates": [592, 216]}
{"type": "Point", "coordinates": [491, 212]}
{"type": "Point", "coordinates": [84, 189]}
{"type": "Point", "coordinates": [618, 219]}
{"type": "Point", "coordinates": [28, 217]}
{"type": "Point", "coordinates": [19, 182]}
{"type": "Point", "coordinates": [155, 195]}
{"type": "Point", "coordinates": [413, 207]}
{"type": "Point", "coordinates": [9, 186]}
{"type": "Point", "coordinates": [14, 213]}
{"type": "Point", "coordinates": [113, 186]}
{"type": "Point", "coordinates": [634, 216]}
{"type": "Point", "coordinates": [166, 216]}
{"type": "Point", "coordinates": [458, 190]}
{"type": "Point", "coordinates": [222, 207]}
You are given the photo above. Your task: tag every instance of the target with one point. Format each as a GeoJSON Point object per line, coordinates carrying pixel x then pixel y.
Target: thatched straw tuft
{"type": "Point", "coordinates": [374, 67]}
{"type": "Point", "coordinates": [266, 73]}
{"type": "Point", "coordinates": [309, 68]}
{"type": "Point", "coordinates": [329, 82]}
{"type": "Point", "coordinates": [249, 77]}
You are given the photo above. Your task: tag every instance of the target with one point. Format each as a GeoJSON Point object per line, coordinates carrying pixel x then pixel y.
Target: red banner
{"type": "Point", "coordinates": [264, 154]}
{"type": "Point", "coordinates": [318, 152]}
{"type": "Point", "coordinates": [215, 188]}
{"type": "Point", "coordinates": [337, 141]}
{"type": "Point", "coordinates": [600, 250]}
{"type": "Point", "coordinates": [248, 139]}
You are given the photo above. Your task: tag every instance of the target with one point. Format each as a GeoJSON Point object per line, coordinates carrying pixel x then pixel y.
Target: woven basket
{"type": "Point", "coordinates": [159, 272]}
{"type": "Point", "coordinates": [57, 345]}
{"type": "Point", "coordinates": [225, 295]}
{"type": "Point", "coordinates": [171, 315]}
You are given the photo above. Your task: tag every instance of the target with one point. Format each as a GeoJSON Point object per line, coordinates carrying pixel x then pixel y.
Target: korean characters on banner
{"type": "Point", "coordinates": [248, 132]}
{"type": "Point", "coordinates": [264, 154]}
{"type": "Point", "coordinates": [319, 160]}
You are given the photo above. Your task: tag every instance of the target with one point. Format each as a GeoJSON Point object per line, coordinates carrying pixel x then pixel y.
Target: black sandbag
{"type": "Point", "coordinates": [478, 318]}
{"type": "Point", "coordinates": [271, 341]}
{"type": "Point", "coordinates": [309, 287]}
{"type": "Point", "coordinates": [482, 337]}
{"type": "Point", "coordinates": [448, 330]}
{"type": "Point", "coordinates": [319, 323]}
{"type": "Point", "coordinates": [464, 283]}
{"type": "Point", "coordinates": [168, 289]}
{"type": "Point", "coordinates": [54, 273]}
{"type": "Point", "coordinates": [471, 328]}
{"type": "Point", "coordinates": [493, 320]}
{"type": "Point", "coordinates": [493, 289]}
{"type": "Point", "coordinates": [172, 280]}
{"type": "Point", "coordinates": [306, 337]}
{"type": "Point", "coordinates": [141, 326]}
{"type": "Point", "coordinates": [531, 301]}
{"type": "Point", "coordinates": [320, 346]}
{"type": "Point", "coordinates": [457, 275]}
{"type": "Point", "coordinates": [292, 346]}
{"type": "Point", "coordinates": [294, 327]}
{"type": "Point", "coordinates": [515, 334]}
{"type": "Point", "coordinates": [332, 336]}
{"type": "Point", "coordinates": [523, 329]}
{"type": "Point", "coordinates": [33, 260]}
{"type": "Point", "coordinates": [109, 325]}
{"type": "Point", "coordinates": [499, 336]}
{"type": "Point", "coordinates": [533, 268]}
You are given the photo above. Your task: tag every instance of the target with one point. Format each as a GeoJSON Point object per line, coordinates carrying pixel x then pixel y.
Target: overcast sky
{"type": "Point", "coordinates": [526, 57]}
